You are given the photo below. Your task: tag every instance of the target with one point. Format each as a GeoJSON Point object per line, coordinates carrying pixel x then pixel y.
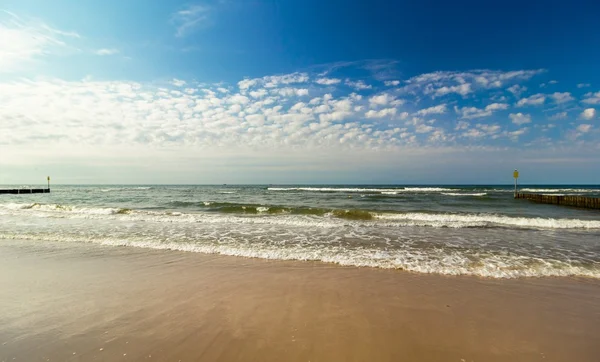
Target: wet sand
{"type": "Point", "coordinates": [82, 302]}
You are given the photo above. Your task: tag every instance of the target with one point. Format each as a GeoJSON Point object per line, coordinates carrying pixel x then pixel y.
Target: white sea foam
{"type": "Point", "coordinates": [464, 194]}
{"type": "Point", "coordinates": [560, 190]}
{"type": "Point", "coordinates": [64, 208]}
{"type": "Point", "coordinates": [437, 220]}
{"type": "Point", "coordinates": [481, 220]}
{"type": "Point", "coordinates": [437, 261]}
{"type": "Point", "coordinates": [137, 188]}
{"type": "Point", "coordinates": [370, 190]}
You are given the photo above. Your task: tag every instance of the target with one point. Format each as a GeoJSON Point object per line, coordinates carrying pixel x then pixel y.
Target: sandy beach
{"type": "Point", "coordinates": [85, 302]}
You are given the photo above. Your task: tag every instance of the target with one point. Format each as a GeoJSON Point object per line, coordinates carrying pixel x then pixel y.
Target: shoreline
{"type": "Point", "coordinates": [65, 298]}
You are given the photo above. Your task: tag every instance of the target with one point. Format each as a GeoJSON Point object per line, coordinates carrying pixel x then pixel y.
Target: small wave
{"type": "Point", "coordinates": [488, 220]}
{"type": "Point", "coordinates": [559, 190]}
{"type": "Point", "coordinates": [315, 216]}
{"type": "Point", "coordinates": [464, 194]}
{"type": "Point", "coordinates": [361, 190]}
{"type": "Point", "coordinates": [67, 208]}
{"type": "Point", "coordinates": [427, 189]}
{"type": "Point", "coordinates": [430, 261]}
{"type": "Point", "coordinates": [137, 188]}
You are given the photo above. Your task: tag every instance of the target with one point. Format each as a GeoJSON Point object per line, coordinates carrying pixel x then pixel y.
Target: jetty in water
{"type": "Point", "coordinates": [24, 191]}
{"type": "Point", "coordinates": [565, 200]}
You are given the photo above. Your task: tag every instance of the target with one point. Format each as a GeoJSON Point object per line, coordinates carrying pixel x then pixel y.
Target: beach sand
{"type": "Point", "coordinates": [84, 302]}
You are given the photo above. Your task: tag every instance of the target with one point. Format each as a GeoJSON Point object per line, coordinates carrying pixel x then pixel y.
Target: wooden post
{"type": "Point", "coordinates": [516, 176]}
{"type": "Point", "coordinates": [48, 183]}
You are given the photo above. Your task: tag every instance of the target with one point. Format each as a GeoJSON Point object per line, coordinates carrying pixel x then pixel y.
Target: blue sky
{"type": "Point", "coordinates": [237, 91]}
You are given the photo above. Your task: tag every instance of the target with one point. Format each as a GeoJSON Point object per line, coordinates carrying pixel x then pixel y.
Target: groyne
{"type": "Point", "coordinates": [566, 200]}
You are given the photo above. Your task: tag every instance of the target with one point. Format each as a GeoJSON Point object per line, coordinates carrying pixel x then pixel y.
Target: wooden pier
{"type": "Point", "coordinates": [25, 191]}
{"type": "Point", "coordinates": [576, 201]}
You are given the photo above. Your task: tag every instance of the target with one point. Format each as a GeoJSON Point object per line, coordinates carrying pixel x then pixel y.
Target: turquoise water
{"type": "Point", "coordinates": [476, 230]}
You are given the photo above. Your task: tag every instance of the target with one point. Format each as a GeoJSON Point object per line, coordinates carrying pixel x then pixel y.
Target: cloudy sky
{"type": "Point", "coordinates": [312, 91]}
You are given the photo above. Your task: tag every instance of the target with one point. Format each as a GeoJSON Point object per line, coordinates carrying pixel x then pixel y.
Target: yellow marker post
{"type": "Point", "coordinates": [516, 176]}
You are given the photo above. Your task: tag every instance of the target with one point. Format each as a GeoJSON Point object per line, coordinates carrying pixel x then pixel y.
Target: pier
{"type": "Point", "coordinates": [576, 201]}
{"type": "Point", "coordinates": [24, 191]}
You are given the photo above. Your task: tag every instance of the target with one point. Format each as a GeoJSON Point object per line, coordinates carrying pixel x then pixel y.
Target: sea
{"type": "Point", "coordinates": [478, 230]}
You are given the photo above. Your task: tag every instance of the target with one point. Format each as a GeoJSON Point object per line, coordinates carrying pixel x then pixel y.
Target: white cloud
{"type": "Point", "coordinates": [473, 133]}
{"type": "Point", "coordinates": [439, 109]}
{"type": "Point", "coordinates": [588, 114]}
{"type": "Point", "coordinates": [247, 83]}
{"type": "Point", "coordinates": [461, 125]}
{"type": "Point", "coordinates": [496, 107]}
{"type": "Point", "coordinates": [386, 112]}
{"type": "Point", "coordinates": [583, 85]}
{"type": "Point", "coordinates": [106, 51]}
{"type": "Point", "coordinates": [381, 100]}
{"type": "Point", "coordinates": [273, 81]}
{"type": "Point", "coordinates": [237, 99]}
{"type": "Point", "coordinates": [462, 89]}
{"type": "Point", "coordinates": [423, 128]}
{"type": "Point", "coordinates": [288, 92]}
{"type": "Point", "coordinates": [190, 19]}
{"type": "Point", "coordinates": [328, 81]}
{"type": "Point", "coordinates": [334, 116]}
{"type": "Point", "coordinates": [520, 118]}
{"type": "Point", "coordinates": [534, 100]}
{"type": "Point", "coordinates": [23, 42]}
{"type": "Point", "coordinates": [463, 83]}
{"type": "Point", "coordinates": [514, 135]}
{"type": "Point", "coordinates": [543, 85]}
{"type": "Point", "coordinates": [178, 82]}
{"type": "Point", "coordinates": [489, 129]}
{"type": "Point", "coordinates": [558, 116]}
{"type": "Point", "coordinates": [258, 93]}
{"type": "Point", "coordinates": [584, 128]}
{"type": "Point", "coordinates": [272, 114]}
{"type": "Point", "coordinates": [358, 85]}
{"type": "Point", "coordinates": [561, 97]}
{"type": "Point", "coordinates": [474, 112]}
{"type": "Point", "coordinates": [516, 89]}
{"type": "Point", "coordinates": [391, 83]}
{"type": "Point", "coordinates": [592, 98]}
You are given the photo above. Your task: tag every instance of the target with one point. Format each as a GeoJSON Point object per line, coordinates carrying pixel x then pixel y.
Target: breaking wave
{"type": "Point", "coordinates": [439, 261]}
{"type": "Point", "coordinates": [464, 194]}
{"type": "Point", "coordinates": [361, 190]}
{"type": "Point", "coordinates": [281, 215]}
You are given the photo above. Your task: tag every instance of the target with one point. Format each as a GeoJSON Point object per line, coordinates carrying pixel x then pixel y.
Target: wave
{"type": "Point", "coordinates": [534, 190]}
{"type": "Point", "coordinates": [268, 214]}
{"type": "Point", "coordinates": [361, 190]}
{"type": "Point", "coordinates": [137, 188]}
{"type": "Point", "coordinates": [437, 261]}
{"type": "Point", "coordinates": [464, 194]}
{"type": "Point", "coordinates": [67, 208]}
{"type": "Point", "coordinates": [488, 220]}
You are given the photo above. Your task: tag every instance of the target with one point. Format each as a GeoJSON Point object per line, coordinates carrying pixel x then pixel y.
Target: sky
{"type": "Point", "coordinates": [294, 92]}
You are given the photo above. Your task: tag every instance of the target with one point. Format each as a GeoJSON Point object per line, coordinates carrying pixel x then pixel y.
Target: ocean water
{"type": "Point", "coordinates": [473, 230]}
